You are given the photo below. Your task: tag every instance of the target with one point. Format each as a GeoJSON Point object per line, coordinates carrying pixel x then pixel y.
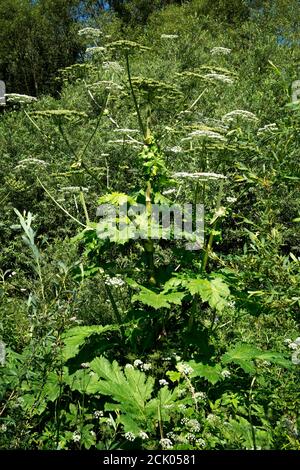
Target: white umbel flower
{"type": "Point", "coordinates": [220, 50]}
{"type": "Point", "coordinates": [242, 113]}
{"type": "Point", "coordinates": [199, 175]}
{"type": "Point", "coordinates": [219, 77]}
{"type": "Point", "coordinates": [205, 133]}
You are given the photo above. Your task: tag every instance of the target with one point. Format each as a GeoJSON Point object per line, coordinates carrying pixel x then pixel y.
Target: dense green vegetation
{"type": "Point", "coordinates": [119, 343]}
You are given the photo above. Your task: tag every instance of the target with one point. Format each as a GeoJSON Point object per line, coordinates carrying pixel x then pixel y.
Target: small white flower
{"type": "Point", "coordinates": [143, 435]}
{"type": "Point", "coordinates": [98, 414]}
{"type": "Point", "coordinates": [181, 407]}
{"type": "Point", "coordinates": [166, 443]}
{"type": "Point", "coordinates": [175, 149]}
{"type": "Point", "coordinates": [199, 175]}
{"type": "Point", "coordinates": [129, 366]}
{"type": "Point", "coordinates": [185, 369]}
{"type": "Point", "coordinates": [287, 341]}
{"type": "Point", "coordinates": [296, 357]}
{"type": "Point", "coordinates": [293, 345]}
{"type": "Point", "coordinates": [231, 199]}
{"type": "Point", "coordinates": [146, 366]}
{"type": "Point", "coordinates": [205, 133]}
{"type": "Point", "coordinates": [194, 425]}
{"type": "Point", "coordinates": [211, 418]}
{"type": "Point", "coordinates": [267, 128]}
{"type": "Point", "coordinates": [163, 382]}
{"type": "Point", "coordinates": [90, 32]}
{"type": "Point", "coordinates": [200, 442]}
{"type": "Point", "coordinates": [129, 436]}
{"type": "Point", "coordinates": [219, 77]}
{"type": "Point", "coordinates": [3, 428]}
{"type": "Point", "coordinates": [239, 113]}
{"type": "Point", "coordinates": [76, 436]}
{"type": "Point", "coordinates": [220, 50]}
{"type": "Point", "coordinates": [17, 98]}
{"type": "Point", "coordinates": [225, 373]}
{"type": "Point", "coordinates": [85, 365]}
{"type": "Point", "coordinates": [114, 281]}
{"type": "Point", "coordinates": [138, 363]}
{"type": "Point", "coordinates": [200, 396]}
{"type": "Point", "coordinates": [169, 36]}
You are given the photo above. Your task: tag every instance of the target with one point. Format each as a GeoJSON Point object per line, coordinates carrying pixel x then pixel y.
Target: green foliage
{"type": "Point", "coordinates": [119, 341]}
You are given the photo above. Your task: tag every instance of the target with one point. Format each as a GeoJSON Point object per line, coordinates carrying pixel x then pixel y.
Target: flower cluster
{"type": "Point", "coordinates": [166, 443]}
{"type": "Point", "coordinates": [220, 50]}
{"type": "Point", "coordinates": [138, 364]}
{"type": "Point", "coordinates": [225, 373]}
{"type": "Point", "coordinates": [205, 133]}
{"type": "Point", "coordinates": [267, 128]}
{"type": "Point", "coordinates": [185, 369]}
{"type": "Point", "coordinates": [239, 113]}
{"type": "Point", "coordinates": [114, 281]}
{"type": "Point", "coordinates": [219, 76]}
{"type": "Point", "coordinates": [76, 436]}
{"type": "Point", "coordinates": [129, 436]}
{"type": "Point", "coordinates": [295, 346]}
{"type": "Point", "coordinates": [98, 414]}
{"type": "Point", "coordinates": [163, 382]}
{"type": "Point", "coordinates": [90, 32]}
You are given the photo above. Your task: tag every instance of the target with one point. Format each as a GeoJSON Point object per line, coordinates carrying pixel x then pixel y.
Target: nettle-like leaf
{"type": "Point", "coordinates": [212, 373]}
{"type": "Point", "coordinates": [130, 389]}
{"type": "Point", "coordinates": [244, 354]}
{"type": "Point", "coordinates": [116, 199]}
{"type": "Point", "coordinates": [214, 291]}
{"type": "Point", "coordinates": [157, 301]}
{"type": "Point", "coordinates": [75, 337]}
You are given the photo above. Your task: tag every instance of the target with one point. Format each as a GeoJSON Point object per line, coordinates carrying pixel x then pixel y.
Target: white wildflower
{"type": "Point", "coordinates": [211, 418]}
{"type": "Point", "coordinates": [163, 382]}
{"type": "Point", "coordinates": [138, 363]}
{"type": "Point", "coordinates": [239, 113]}
{"type": "Point", "coordinates": [225, 373]}
{"type": "Point", "coordinates": [169, 36]}
{"type": "Point", "coordinates": [146, 366]}
{"type": "Point", "coordinates": [114, 281]}
{"type": "Point", "coordinates": [185, 369]}
{"type": "Point", "coordinates": [85, 365]}
{"type": "Point", "coordinates": [199, 175]}
{"type": "Point", "coordinates": [143, 435]}
{"type": "Point", "coordinates": [190, 436]}
{"type": "Point", "coordinates": [206, 133]}
{"type": "Point", "coordinates": [166, 443]}
{"type": "Point", "coordinates": [219, 77]}
{"type": "Point", "coordinates": [296, 357]}
{"type": "Point", "coordinates": [267, 128]}
{"type": "Point", "coordinates": [76, 436]}
{"type": "Point", "coordinates": [194, 425]}
{"type": "Point", "coordinates": [287, 341]}
{"type": "Point", "coordinates": [95, 50]}
{"type": "Point", "coordinates": [90, 32]}
{"type": "Point", "coordinates": [200, 442]}
{"type": "Point", "coordinates": [17, 98]}
{"type": "Point", "coordinates": [129, 436]}
{"type": "Point", "coordinates": [181, 407]}
{"type": "Point", "coordinates": [169, 191]}
{"type": "Point", "coordinates": [231, 200]}
{"type": "Point", "coordinates": [200, 396]}
{"type": "Point", "coordinates": [3, 428]}
{"type": "Point", "coordinates": [175, 149]}
{"type": "Point", "coordinates": [113, 66]}
{"type": "Point", "coordinates": [34, 161]}
{"type": "Point", "coordinates": [126, 131]}
{"type": "Point", "coordinates": [129, 366]}
{"type": "Point", "coordinates": [220, 50]}
{"type": "Point", "coordinates": [184, 421]}
{"type": "Point", "coordinates": [98, 414]}
{"type": "Point", "coordinates": [293, 345]}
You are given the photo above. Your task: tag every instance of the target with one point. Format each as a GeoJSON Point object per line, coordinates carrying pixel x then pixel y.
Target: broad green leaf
{"type": "Point", "coordinates": [76, 336]}
{"type": "Point", "coordinates": [212, 373]}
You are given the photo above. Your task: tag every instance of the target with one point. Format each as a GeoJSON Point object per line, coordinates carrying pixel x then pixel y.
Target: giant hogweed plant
{"type": "Point", "coordinates": [108, 403]}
